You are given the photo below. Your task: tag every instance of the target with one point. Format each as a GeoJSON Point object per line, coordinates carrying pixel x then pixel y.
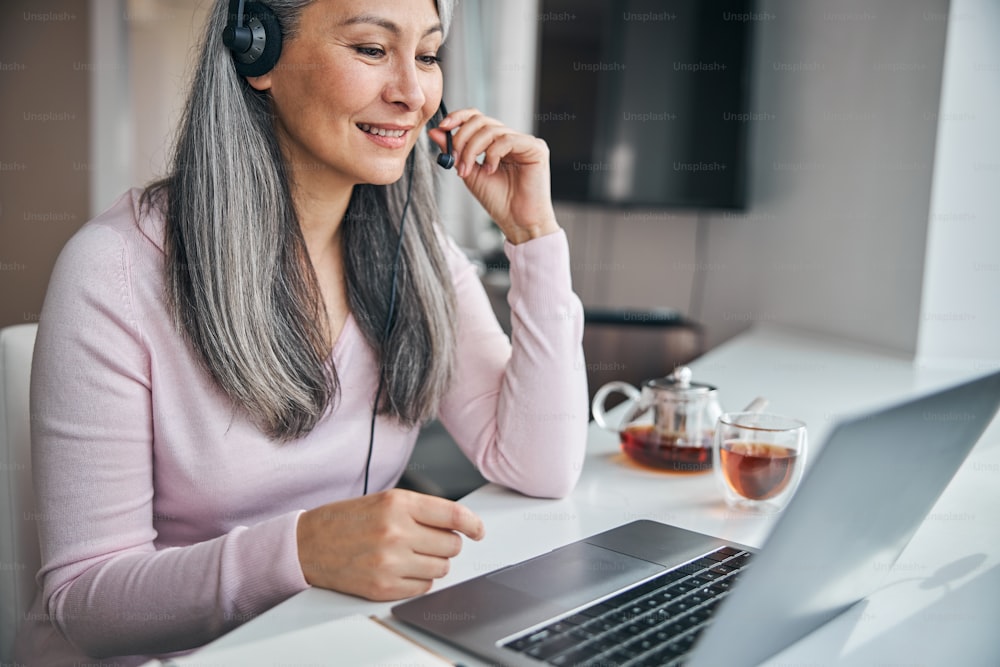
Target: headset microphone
{"type": "Point", "coordinates": [446, 159]}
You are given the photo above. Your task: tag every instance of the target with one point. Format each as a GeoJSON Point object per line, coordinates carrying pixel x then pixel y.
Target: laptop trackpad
{"type": "Point", "coordinates": [575, 574]}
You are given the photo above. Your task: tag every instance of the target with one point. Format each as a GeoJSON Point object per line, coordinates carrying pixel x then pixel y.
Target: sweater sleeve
{"type": "Point", "coordinates": [106, 587]}
{"type": "Point", "coordinates": [518, 407]}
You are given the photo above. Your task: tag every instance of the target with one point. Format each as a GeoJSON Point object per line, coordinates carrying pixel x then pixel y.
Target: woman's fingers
{"type": "Point", "coordinates": [513, 183]}
{"type": "Point", "coordinates": [478, 135]}
{"type": "Point", "coordinates": [472, 138]}
{"type": "Point", "coordinates": [468, 123]}
{"type": "Point", "coordinates": [441, 513]}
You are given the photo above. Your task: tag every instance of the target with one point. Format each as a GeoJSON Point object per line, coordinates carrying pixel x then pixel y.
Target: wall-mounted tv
{"type": "Point", "coordinates": [647, 102]}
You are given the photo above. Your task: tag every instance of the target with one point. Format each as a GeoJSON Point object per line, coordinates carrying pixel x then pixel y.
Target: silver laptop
{"type": "Point", "coordinates": [646, 593]}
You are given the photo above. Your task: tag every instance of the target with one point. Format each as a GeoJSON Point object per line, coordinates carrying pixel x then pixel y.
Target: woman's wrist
{"type": "Point", "coordinates": [303, 540]}
{"type": "Point", "coordinates": [518, 234]}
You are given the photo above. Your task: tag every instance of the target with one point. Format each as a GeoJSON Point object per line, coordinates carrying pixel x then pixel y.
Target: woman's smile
{"type": "Point", "coordinates": [386, 136]}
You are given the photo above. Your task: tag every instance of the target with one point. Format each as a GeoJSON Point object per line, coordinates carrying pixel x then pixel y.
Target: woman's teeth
{"type": "Point", "coordinates": [381, 132]}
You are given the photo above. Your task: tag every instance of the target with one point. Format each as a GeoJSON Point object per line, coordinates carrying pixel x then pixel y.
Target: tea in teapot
{"type": "Point", "coordinates": [668, 425]}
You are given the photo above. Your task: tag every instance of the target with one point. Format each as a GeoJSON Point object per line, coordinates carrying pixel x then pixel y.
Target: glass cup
{"type": "Point", "coordinates": [758, 459]}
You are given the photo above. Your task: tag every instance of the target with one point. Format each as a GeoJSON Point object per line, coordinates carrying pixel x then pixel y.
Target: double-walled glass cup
{"type": "Point", "coordinates": [758, 459]}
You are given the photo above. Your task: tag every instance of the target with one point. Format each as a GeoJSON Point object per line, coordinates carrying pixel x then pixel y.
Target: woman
{"type": "Point", "coordinates": [232, 366]}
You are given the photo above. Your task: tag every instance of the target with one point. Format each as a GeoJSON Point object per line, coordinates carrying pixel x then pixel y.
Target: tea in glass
{"type": "Point", "coordinates": [759, 459]}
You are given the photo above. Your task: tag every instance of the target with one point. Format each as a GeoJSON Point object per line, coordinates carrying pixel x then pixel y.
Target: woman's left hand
{"type": "Point", "coordinates": [513, 182]}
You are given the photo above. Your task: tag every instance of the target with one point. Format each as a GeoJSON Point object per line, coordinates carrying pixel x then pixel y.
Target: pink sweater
{"type": "Point", "coordinates": [167, 519]}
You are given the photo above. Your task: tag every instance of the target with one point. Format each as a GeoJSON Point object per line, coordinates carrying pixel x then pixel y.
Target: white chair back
{"type": "Point", "coordinates": [19, 558]}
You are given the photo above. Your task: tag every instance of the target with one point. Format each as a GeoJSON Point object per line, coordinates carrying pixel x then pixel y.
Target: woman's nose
{"type": "Point", "coordinates": [405, 87]}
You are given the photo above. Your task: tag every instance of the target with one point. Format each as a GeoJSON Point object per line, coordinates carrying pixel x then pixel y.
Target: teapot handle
{"type": "Point", "coordinates": [597, 407]}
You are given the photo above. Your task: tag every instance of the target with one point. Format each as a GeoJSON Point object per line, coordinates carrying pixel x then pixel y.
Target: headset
{"type": "Point", "coordinates": [253, 35]}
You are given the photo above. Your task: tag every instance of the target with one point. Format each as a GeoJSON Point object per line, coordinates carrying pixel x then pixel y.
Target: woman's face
{"type": "Point", "coordinates": [354, 87]}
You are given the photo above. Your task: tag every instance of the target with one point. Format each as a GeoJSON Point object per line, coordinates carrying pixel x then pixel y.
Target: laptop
{"type": "Point", "coordinates": [646, 593]}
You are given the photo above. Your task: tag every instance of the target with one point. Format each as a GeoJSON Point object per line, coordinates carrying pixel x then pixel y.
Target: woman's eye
{"type": "Point", "coordinates": [429, 60]}
{"type": "Point", "coordinates": [370, 51]}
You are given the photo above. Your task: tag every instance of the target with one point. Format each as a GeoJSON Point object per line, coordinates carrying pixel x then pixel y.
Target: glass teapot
{"type": "Point", "coordinates": [668, 425]}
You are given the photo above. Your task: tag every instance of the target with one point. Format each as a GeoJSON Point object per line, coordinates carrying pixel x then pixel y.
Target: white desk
{"type": "Point", "coordinates": [940, 604]}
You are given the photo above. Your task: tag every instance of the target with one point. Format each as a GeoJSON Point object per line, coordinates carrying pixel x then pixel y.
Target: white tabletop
{"type": "Point", "coordinates": [940, 603]}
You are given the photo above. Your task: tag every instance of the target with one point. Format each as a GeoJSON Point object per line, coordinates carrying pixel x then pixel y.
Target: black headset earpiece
{"type": "Point", "coordinates": [446, 159]}
{"type": "Point", "coordinates": [253, 34]}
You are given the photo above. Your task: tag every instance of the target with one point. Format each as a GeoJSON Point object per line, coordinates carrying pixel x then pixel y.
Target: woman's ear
{"type": "Point", "coordinates": [262, 82]}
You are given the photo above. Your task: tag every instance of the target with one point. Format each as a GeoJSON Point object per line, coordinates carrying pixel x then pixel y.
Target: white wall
{"type": "Point", "coordinates": [489, 64]}
{"type": "Point", "coordinates": [163, 39]}
{"type": "Point", "coordinates": [112, 129]}
{"type": "Point", "coordinates": [960, 317]}
{"type": "Point", "coordinates": [142, 54]}
{"type": "Point", "coordinates": [842, 174]}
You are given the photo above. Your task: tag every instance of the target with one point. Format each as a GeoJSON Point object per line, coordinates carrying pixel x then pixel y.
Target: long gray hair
{"type": "Point", "coordinates": [239, 279]}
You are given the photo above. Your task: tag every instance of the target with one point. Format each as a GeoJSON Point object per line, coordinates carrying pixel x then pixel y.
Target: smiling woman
{"type": "Point", "coordinates": [230, 359]}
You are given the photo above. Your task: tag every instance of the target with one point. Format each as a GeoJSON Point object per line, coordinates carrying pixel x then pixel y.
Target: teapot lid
{"type": "Point", "coordinates": [679, 382]}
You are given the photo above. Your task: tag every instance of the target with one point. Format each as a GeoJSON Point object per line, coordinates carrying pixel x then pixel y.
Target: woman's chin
{"type": "Point", "coordinates": [385, 174]}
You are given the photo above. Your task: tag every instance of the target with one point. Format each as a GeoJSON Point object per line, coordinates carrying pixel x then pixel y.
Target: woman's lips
{"type": "Point", "coordinates": [387, 137]}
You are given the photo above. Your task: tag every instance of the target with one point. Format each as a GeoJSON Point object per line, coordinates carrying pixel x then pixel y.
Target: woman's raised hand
{"type": "Point", "coordinates": [513, 182]}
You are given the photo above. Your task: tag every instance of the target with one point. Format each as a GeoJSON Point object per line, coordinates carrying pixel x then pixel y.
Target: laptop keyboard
{"type": "Point", "coordinates": [654, 624]}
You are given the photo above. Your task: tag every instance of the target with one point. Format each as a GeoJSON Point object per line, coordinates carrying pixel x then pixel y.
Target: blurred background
{"type": "Point", "coordinates": [833, 167]}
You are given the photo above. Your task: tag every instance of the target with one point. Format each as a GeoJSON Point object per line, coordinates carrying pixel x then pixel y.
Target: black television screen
{"type": "Point", "coordinates": [646, 102]}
